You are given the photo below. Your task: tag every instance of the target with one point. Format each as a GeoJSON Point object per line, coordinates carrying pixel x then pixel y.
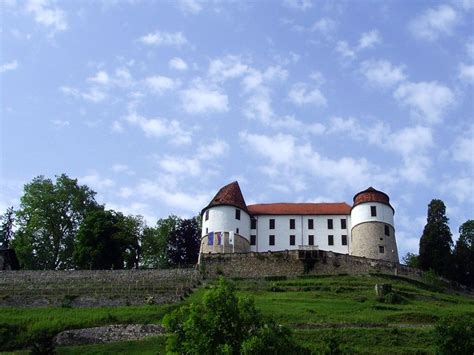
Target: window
{"type": "Point", "coordinates": [237, 214]}
{"type": "Point", "coordinates": [329, 223]}
{"type": "Point", "coordinates": [387, 230]}
{"type": "Point", "coordinates": [207, 230]}
{"type": "Point", "coordinates": [310, 239]}
{"type": "Point", "coordinates": [344, 239]}
{"type": "Point", "coordinates": [373, 211]}
{"type": "Point", "coordinates": [310, 223]}
{"type": "Point", "coordinates": [253, 240]}
{"type": "Point", "coordinates": [237, 230]}
{"type": "Point", "coordinates": [253, 223]}
{"type": "Point", "coordinates": [343, 223]}
{"type": "Point", "coordinates": [272, 224]}
{"type": "Point", "coordinates": [292, 223]}
{"type": "Point", "coordinates": [271, 240]}
{"type": "Point", "coordinates": [330, 240]}
{"type": "Point", "coordinates": [292, 240]}
{"type": "Point", "coordinates": [381, 249]}
{"type": "Point", "coordinates": [207, 215]}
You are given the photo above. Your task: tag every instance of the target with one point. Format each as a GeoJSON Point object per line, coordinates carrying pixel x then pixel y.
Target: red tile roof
{"type": "Point", "coordinates": [371, 195]}
{"type": "Point", "coordinates": [228, 195]}
{"type": "Point", "coordinates": [341, 208]}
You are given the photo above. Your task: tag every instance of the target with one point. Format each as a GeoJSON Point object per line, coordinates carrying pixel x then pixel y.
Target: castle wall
{"type": "Point", "coordinates": [367, 238]}
{"type": "Point", "coordinates": [301, 232]}
{"type": "Point", "coordinates": [241, 245]}
{"type": "Point", "coordinates": [222, 219]}
{"type": "Point", "coordinates": [297, 262]}
{"type": "Point", "coordinates": [361, 213]}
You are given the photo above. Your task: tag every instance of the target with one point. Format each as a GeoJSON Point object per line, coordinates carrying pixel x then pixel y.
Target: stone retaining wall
{"type": "Point", "coordinates": [297, 262]}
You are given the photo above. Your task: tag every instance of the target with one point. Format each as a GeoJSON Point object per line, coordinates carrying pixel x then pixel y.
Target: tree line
{"type": "Point", "coordinates": [438, 253]}
{"type": "Point", "coordinates": [60, 225]}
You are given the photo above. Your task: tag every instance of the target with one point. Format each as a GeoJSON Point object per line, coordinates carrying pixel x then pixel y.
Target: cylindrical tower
{"type": "Point", "coordinates": [226, 222]}
{"type": "Point", "coordinates": [372, 227]}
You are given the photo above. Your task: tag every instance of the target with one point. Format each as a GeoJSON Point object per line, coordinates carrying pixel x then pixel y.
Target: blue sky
{"type": "Point", "coordinates": [157, 104]}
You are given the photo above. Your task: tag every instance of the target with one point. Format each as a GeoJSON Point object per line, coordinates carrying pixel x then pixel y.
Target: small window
{"type": "Point", "coordinates": [292, 240]}
{"type": "Point", "coordinates": [237, 214]}
{"type": "Point", "coordinates": [381, 249]}
{"type": "Point", "coordinates": [207, 230]}
{"type": "Point", "coordinates": [344, 239]}
{"type": "Point", "coordinates": [253, 223]}
{"type": "Point", "coordinates": [292, 223]}
{"type": "Point", "coordinates": [330, 240]}
{"type": "Point", "coordinates": [253, 240]}
{"type": "Point", "coordinates": [272, 224]}
{"type": "Point", "coordinates": [311, 223]}
{"type": "Point", "coordinates": [207, 215]}
{"type": "Point", "coordinates": [237, 230]}
{"type": "Point", "coordinates": [310, 239]}
{"type": "Point", "coordinates": [343, 223]}
{"type": "Point", "coordinates": [330, 223]}
{"type": "Point", "coordinates": [373, 211]}
{"type": "Point", "coordinates": [387, 230]}
{"type": "Point", "coordinates": [271, 240]}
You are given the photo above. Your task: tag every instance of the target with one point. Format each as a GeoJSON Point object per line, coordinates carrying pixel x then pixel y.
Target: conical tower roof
{"type": "Point", "coordinates": [371, 195]}
{"type": "Point", "coordinates": [229, 195]}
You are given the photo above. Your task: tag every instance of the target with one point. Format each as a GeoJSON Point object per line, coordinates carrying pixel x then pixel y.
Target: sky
{"type": "Point", "coordinates": [155, 105]}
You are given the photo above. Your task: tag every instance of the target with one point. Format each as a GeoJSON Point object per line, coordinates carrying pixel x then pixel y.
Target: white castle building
{"type": "Point", "coordinates": [364, 229]}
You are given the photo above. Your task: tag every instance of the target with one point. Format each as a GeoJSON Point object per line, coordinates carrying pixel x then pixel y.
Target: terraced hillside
{"type": "Point", "coordinates": [95, 288]}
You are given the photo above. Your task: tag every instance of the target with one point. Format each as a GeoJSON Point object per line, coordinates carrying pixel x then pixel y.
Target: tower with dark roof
{"type": "Point", "coordinates": [226, 222]}
{"type": "Point", "coordinates": [372, 226]}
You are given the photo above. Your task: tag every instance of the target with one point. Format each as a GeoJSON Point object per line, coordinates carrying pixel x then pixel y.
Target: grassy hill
{"type": "Point", "coordinates": [339, 310]}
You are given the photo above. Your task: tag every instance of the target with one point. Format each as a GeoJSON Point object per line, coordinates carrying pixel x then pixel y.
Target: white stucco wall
{"type": "Point", "coordinates": [222, 219]}
{"type": "Point", "coordinates": [282, 233]}
{"type": "Point", "coordinates": [361, 213]}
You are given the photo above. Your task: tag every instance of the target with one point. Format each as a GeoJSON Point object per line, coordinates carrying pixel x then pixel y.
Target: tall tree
{"type": "Point", "coordinates": [6, 228]}
{"type": "Point", "coordinates": [184, 242]}
{"type": "Point", "coordinates": [436, 241]}
{"type": "Point", "coordinates": [132, 229]}
{"type": "Point", "coordinates": [155, 242]}
{"type": "Point", "coordinates": [463, 255]}
{"type": "Point", "coordinates": [48, 219]}
{"type": "Point", "coordinates": [102, 241]}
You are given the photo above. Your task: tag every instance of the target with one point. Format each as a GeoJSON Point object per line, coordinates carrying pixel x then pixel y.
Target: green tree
{"type": "Point", "coordinates": [226, 324]}
{"type": "Point", "coordinates": [184, 242]}
{"type": "Point", "coordinates": [107, 240]}
{"type": "Point", "coordinates": [6, 228]}
{"type": "Point", "coordinates": [436, 241]}
{"type": "Point", "coordinates": [463, 254]}
{"type": "Point", "coordinates": [48, 220]}
{"type": "Point", "coordinates": [155, 242]}
{"type": "Point", "coordinates": [411, 260]}
{"type": "Point", "coordinates": [455, 335]}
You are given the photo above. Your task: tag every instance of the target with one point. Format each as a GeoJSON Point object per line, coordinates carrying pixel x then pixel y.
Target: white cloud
{"type": "Point", "coordinates": [8, 66]}
{"type": "Point", "coordinates": [122, 168]}
{"type": "Point", "coordinates": [466, 73]}
{"type": "Point", "coordinates": [369, 40]}
{"type": "Point", "coordinates": [47, 15]}
{"type": "Point", "coordinates": [160, 84]}
{"type": "Point", "coordinates": [96, 182]}
{"type": "Point", "coordinates": [117, 127]}
{"type": "Point", "coordinates": [229, 67]}
{"type": "Point", "coordinates": [301, 5]}
{"type": "Point", "coordinates": [462, 149]}
{"type": "Point", "coordinates": [302, 94]}
{"type": "Point", "coordinates": [382, 73]}
{"type": "Point", "coordinates": [190, 6]}
{"type": "Point", "coordinates": [162, 38]}
{"type": "Point", "coordinates": [428, 100]}
{"type": "Point", "coordinates": [178, 64]}
{"type": "Point", "coordinates": [160, 127]}
{"type": "Point", "coordinates": [60, 123]}
{"type": "Point", "coordinates": [462, 188]}
{"type": "Point", "coordinates": [434, 23]}
{"type": "Point", "coordinates": [212, 149]}
{"type": "Point", "coordinates": [200, 98]}
{"type": "Point", "coordinates": [470, 48]}
{"type": "Point", "coordinates": [93, 94]}
{"type": "Point", "coordinates": [324, 26]}
{"type": "Point", "coordinates": [101, 78]}
{"type": "Point", "coordinates": [180, 166]}
{"type": "Point", "coordinates": [343, 48]}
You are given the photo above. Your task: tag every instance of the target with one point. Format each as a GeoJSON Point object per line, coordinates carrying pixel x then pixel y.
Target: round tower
{"type": "Point", "coordinates": [226, 222]}
{"type": "Point", "coordinates": [373, 232]}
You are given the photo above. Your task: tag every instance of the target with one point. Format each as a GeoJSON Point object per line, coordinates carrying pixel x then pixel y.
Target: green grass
{"type": "Point", "coordinates": [318, 308]}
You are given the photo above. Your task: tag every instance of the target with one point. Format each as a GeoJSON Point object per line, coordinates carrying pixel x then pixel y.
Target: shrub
{"type": "Point", "coordinates": [455, 336]}
{"type": "Point", "coordinates": [225, 324]}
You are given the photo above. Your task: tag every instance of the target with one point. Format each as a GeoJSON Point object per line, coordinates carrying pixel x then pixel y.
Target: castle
{"type": "Point", "coordinates": [365, 229]}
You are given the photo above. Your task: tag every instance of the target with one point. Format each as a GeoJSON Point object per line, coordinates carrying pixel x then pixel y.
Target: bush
{"type": "Point", "coordinates": [455, 336]}
{"type": "Point", "coordinates": [225, 324]}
